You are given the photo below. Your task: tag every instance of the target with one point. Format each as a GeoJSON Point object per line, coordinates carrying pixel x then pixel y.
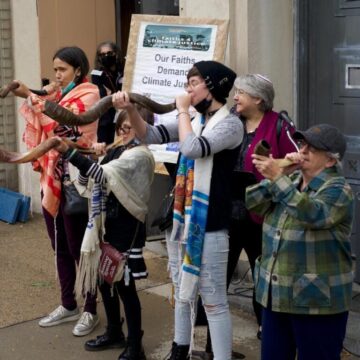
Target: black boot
{"type": "Point", "coordinates": [202, 355]}
{"type": "Point", "coordinates": [134, 350]}
{"type": "Point", "coordinates": [113, 338]}
{"type": "Point", "coordinates": [179, 352]}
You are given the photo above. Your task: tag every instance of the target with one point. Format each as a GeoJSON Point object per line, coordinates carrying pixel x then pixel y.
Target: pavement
{"type": "Point", "coordinates": [29, 290]}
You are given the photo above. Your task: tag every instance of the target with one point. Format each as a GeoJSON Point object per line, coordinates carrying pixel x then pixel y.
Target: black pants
{"type": "Point", "coordinates": [247, 235]}
{"type": "Point", "coordinates": [132, 308]}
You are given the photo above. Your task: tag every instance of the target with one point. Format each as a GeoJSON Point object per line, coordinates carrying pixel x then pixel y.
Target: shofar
{"type": "Point", "coordinates": [66, 117]}
{"type": "Point", "coordinates": [32, 155]}
{"type": "Point", "coordinates": [263, 148]}
{"type": "Point", "coordinates": [38, 151]}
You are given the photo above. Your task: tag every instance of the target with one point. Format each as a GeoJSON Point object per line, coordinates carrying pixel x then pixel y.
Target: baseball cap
{"type": "Point", "coordinates": [323, 137]}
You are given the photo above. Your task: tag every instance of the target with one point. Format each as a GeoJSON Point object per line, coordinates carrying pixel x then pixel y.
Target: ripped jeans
{"type": "Point", "coordinates": [212, 289]}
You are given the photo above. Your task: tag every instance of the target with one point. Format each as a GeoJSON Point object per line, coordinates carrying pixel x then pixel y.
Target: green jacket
{"type": "Point", "coordinates": [306, 265]}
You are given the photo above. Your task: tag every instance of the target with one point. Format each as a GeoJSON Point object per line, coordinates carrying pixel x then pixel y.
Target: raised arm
{"type": "Point", "coordinates": [120, 101]}
{"type": "Point", "coordinates": [183, 102]}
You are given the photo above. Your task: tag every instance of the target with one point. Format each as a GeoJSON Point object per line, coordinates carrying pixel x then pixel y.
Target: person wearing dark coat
{"type": "Point", "coordinates": [108, 76]}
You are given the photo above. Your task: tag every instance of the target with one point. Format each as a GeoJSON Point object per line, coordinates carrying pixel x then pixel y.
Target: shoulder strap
{"type": "Point", "coordinates": [134, 238]}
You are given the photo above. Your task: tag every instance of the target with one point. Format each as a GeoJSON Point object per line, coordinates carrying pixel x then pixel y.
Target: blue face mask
{"type": "Point", "coordinates": [67, 88]}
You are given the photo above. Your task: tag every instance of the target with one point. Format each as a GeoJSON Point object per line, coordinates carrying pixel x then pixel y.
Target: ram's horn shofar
{"type": "Point", "coordinates": [32, 155]}
{"type": "Point", "coordinates": [66, 117]}
{"type": "Point", "coordinates": [263, 148]}
{"type": "Point", "coordinates": [12, 85]}
{"type": "Point", "coordinates": [40, 150]}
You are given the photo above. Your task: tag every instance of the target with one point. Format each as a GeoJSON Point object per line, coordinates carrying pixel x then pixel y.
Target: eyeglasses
{"type": "Point", "coordinates": [302, 143]}
{"type": "Point", "coordinates": [108, 53]}
{"type": "Point", "coordinates": [125, 129]}
{"type": "Point", "coordinates": [193, 84]}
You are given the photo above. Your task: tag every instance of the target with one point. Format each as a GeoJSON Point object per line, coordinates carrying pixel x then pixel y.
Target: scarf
{"type": "Point", "coordinates": [129, 177]}
{"type": "Point", "coordinates": [191, 203]}
{"type": "Point", "coordinates": [40, 127]}
{"type": "Point", "coordinates": [279, 147]}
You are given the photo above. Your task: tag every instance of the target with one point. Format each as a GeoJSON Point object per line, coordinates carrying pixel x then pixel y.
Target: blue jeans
{"type": "Point", "coordinates": [312, 337]}
{"type": "Point", "coordinates": [212, 289]}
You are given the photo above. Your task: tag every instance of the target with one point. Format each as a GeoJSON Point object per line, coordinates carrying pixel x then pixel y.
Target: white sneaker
{"type": "Point", "coordinates": [59, 316]}
{"type": "Point", "coordinates": [86, 324]}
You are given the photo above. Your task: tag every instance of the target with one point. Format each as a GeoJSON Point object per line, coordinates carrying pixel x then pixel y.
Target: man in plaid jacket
{"type": "Point", "coordinates": [304, 276]}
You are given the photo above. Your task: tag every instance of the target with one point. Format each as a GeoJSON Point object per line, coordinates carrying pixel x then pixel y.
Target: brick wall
{"type": "Point", "coordinates": [8, 172]}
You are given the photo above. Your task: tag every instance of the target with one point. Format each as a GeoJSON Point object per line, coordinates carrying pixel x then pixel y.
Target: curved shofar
{"type": "Point", "coordinates": [12, 85]}
{"type": "Point", "coordinates": [38, 151]}
{"type": "Point", "coordinates": [263, 148]}
{"type": "Point", "coordinates": [66, 117]}
{"type": "Point", "coordinates": [32, 155]}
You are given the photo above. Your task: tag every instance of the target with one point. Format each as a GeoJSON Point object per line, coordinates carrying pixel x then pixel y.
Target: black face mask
{"type": "Point", "coordinates": [108, 61]}
{"type": "Point", "coordinates": [203, 105]}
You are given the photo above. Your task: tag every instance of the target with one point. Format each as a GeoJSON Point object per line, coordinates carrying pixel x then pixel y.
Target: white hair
{"type": "Point", "coordinates": [258, 86]}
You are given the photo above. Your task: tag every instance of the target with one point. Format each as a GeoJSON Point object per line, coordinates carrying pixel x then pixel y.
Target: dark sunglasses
{"type": "Point", "coordinates": [109, 53]}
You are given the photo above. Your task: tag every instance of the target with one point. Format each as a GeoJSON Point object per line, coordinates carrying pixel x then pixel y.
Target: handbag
{"type": "Point", "coordinates": [164, 216]}
{"type": "Point", "coordinates": [75, 204]}
{"type": "Point", "coordinates": [112, 261]}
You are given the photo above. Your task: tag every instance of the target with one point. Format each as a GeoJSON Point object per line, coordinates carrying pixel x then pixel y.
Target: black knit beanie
{"type": "Point", "coordinates": [219, 79]}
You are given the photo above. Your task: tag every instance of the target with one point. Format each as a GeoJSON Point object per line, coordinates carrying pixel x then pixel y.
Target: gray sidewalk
{"type": "Point", "coordinates": [28, 290]}
{"type": "Point", "coordinates": [27, 341]}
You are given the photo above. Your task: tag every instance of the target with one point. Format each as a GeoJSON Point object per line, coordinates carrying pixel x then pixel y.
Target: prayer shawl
{"type": "Point", "coordinates": [191, 207]}
{"type": "Point", "coordinates": [40, 127]}
{"type": "Point", "coordinates": [129, 177]}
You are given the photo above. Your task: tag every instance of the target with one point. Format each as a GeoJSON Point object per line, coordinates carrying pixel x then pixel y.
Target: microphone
{"type": "Point", "coordinates": [284, 115]}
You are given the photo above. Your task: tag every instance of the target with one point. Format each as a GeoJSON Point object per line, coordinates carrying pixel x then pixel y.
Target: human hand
{"type": "Point", "coordinates": [183, 102]}
{"type": "Point", "coordinates": [267, 166]}
{"type": "Point", "coordinates": [63, 146]}
{"type": "Point", "coordinates": [22, 90]}
{"type": "Point", "coordinates": [121, 100]}
{"type": "Point", "coordinates": [296, 161]}
{"type": "Point", "coordinates": [51, 88]}
{"type": "Point", "coordinates": [100, 148]}
{"type": "Point", "coordinates": [37, 103]}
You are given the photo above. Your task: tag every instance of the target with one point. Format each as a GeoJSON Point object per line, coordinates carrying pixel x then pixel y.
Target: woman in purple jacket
{"type": "Point", "coordinates": [254, 97]}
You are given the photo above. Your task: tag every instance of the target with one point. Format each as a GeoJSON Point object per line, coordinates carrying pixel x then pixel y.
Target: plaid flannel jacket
{"type": "Point", "coordinates": [306, 266]}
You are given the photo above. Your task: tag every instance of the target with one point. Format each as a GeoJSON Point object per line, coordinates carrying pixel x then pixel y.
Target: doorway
{"type": "Point", "coordinates": [125, 8]}
{"type": "Point", "coordinates": [329, 81]}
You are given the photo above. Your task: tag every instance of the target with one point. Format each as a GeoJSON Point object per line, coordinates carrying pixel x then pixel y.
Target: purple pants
{"type": "Point", "coordinates": [67, 235]}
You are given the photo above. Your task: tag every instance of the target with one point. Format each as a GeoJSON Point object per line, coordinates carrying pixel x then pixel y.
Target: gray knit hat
{"type": "Point", "coordinates": [258, 86]}
{"type": "Point", "coordinates": [324, 137]}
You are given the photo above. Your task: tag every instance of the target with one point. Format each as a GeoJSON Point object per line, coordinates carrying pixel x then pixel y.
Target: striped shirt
{"type": "Point", "coordinates": [222, 141]}
{"type": "Point", "coordinates": [120, 225]}
{"type": "Point", "coordinates": [306, 265]}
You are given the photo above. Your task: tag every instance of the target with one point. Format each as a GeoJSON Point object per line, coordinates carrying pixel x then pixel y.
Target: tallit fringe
{"type": "Point", "coordinates": [188, 286]}
{"type": "Point", "coordinates": [87, 274]}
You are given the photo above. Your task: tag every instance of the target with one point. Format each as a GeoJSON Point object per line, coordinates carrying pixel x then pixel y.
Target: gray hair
{"type": "Point", "coordinates": [336, 157]}
{"type": "Point", "coordinates": [258, 86]}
